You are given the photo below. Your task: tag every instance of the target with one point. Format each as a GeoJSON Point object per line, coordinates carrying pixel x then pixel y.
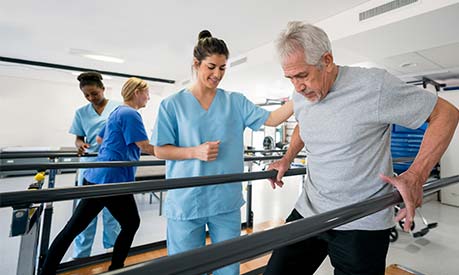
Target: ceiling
{"type": "Point", "coordinates": [423, 45]}
{"type": "Point", "coordinates": [156, 38]}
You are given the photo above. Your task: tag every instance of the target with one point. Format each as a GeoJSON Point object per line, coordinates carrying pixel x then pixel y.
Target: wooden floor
{"type": "Point", "coordinates": [245, 267]}
{"type": "Point", "coordinates": [400, 270]}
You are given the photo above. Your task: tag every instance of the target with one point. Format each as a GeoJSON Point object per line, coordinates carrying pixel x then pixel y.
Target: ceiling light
{"type": "Point", "coordinates": [96, 55]}
{"type": "Point", "coordinates": [104, 58]}
{"type": "Point", "coordinates": [408, 64]}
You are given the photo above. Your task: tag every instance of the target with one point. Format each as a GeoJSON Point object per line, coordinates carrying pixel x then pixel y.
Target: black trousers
{"type": "Point", "coordinates": [351, 252]}
{"type": "Point", "coordinates": [123, 209]}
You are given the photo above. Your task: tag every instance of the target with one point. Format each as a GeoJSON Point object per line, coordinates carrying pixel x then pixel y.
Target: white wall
{"type": "Point", "coordinates": [449, 163]}
{"type": "Point", "coordinates": [38, 112]}
{"type": "Point", "coordinates": [37, 105]}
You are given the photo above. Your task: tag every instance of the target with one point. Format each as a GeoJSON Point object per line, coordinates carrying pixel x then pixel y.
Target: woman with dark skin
{"type": "Point", "coordinates": [124, 137]}
{"type": "Point", "coordinates": [86, 125]}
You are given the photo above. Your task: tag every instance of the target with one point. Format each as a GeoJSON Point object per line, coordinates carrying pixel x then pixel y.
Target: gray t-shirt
{"type": "Point", "coordinates": [347, 140]}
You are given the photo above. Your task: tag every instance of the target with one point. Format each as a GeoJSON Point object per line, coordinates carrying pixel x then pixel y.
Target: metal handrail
{"type": "Point", "coordinates": [74, 154]}
{"type": "Point", "coordinates": [217, 255]}
{"type": "Point", "coordinates": [25, 198]}
{"type": "Point", "coordinates": [43, 154]}
{"type": "Point", "coordinates": [42, 166]}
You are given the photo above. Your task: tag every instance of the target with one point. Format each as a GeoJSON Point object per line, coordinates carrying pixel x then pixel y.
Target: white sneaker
{"type": "Point", "coordinates": [109, 250]}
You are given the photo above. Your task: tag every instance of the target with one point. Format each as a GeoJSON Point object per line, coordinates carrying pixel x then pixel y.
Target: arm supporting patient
{"type": "Point", "coordinates": [280, 115]}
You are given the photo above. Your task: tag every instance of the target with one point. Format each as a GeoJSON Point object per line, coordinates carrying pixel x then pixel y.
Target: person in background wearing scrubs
{"type": "Point", "coordinates": [124, 137]}
{"type": "Point", "coordinates": [199, 131]}
{"type": "Point", "coordinates": [87, 123]}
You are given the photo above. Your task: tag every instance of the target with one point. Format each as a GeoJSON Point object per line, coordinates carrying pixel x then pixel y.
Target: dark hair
{"type": "Point", "coordinates": [208, 45]}
{"type": "Point", "coordinates": [90, 78]}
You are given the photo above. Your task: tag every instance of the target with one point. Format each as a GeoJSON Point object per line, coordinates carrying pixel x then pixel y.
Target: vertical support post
{"type": "Point", "coordinates": [47, 218]}
{"type": "Point", "coordinates": [46, 232]}
{"type": "Point", "coordinates": [160, 203]}
{"type": "Point", "coordinates": [26, 221]}
{"type": "Point", "coordinates": [249, 213]}
{"type": "Point", "coordinates": [27, 259]}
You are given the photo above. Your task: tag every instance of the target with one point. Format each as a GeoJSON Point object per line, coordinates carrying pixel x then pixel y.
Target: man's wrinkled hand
{"type": "Point", "coordinates": [409, 185]}
{"type": "Point", "coordinates": [281, 166]}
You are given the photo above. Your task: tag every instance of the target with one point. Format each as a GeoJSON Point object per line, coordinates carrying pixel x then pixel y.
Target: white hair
{"type": "Point", "coordinates": [306, 37]}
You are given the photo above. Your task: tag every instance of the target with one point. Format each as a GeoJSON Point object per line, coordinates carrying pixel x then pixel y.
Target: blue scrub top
{"type": "Point", "coordinates": [183, 122]}
{"type": "Point", "coordinates": [88, 123]}
{"type": "Point", "coordinates": [123, 129]}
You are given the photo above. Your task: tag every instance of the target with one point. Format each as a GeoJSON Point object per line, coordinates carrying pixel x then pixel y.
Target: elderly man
{"type": "Point", "coordinates": [344, 119]}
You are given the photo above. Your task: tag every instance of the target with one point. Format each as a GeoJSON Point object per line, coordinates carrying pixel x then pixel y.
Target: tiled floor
{"type": "Point", "coordinates": [437, 253]}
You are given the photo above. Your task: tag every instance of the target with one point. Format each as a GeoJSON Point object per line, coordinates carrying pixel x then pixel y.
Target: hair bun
{"type": "Point", "coordinates": [90, 76]}
{"type": "Point", "coordinates": [204, 34]}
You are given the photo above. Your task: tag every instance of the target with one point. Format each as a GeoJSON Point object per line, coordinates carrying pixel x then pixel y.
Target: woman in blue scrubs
{"type": "Point", "coordinates": [87, 123]}
{"type": "Point", "coordinates": [199, 131]}
{"type": "Point", "coordinates": [124, 136]}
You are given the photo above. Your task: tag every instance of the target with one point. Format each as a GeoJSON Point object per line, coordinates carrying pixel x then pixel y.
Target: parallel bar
{"type": "Point", "coordinates": [80, 69]}
{"type": "Point", "coordinates": [214, 256]}
{"type": "Point", "coordinates": [25, 198]}
{"type": "Point", "coordinates": [268, 157]}
{"type": "Point", "coordinates": [75, 165]}
{"type": "Point", "coordinates": [43, 154]}
{"type": "Point", "coordinates": [65, 165]}
{"type": "Point", "coordinates": [73, 154]}
{"type": "Point", "coordinates": [266, 151]}
{"type": "Point", "coordinates": [451, 88]}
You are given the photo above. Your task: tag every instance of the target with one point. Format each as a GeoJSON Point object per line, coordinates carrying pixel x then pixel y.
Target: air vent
{"type": "Point", "coordinates": [238, 62]}
{"type": "Point", "coordinates": [384, 8]}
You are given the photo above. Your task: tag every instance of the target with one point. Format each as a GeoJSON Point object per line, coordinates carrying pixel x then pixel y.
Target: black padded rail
{"type": "Point", "coordinates": [74, 154]}
{"type": "Point", "coordinates": [25, 198]}
{"type": "Point", "coordinates": [256, 158]}
{"type": "Point", "coordinates": [217, 255]}
{"type": "Point", "coordinates": [43, 154]}
{"type": "Point", "coordinates": [265, 151]}
{"type": "Point", "coordinates": [43, 166]}
{"type": "Point", "coordinates": [71, 153]}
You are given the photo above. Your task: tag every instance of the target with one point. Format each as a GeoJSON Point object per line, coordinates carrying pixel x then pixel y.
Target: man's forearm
{"type": "Point", "coordinates": [296, 145]}
{"type": "Point", "coordinates": [442, 124]}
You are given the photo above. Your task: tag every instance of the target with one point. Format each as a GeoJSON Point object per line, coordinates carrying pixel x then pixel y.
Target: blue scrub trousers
{"type": "Point", "coordinates": [184, 235]}
{"type": "Point", "coordinates": [83, 242]}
